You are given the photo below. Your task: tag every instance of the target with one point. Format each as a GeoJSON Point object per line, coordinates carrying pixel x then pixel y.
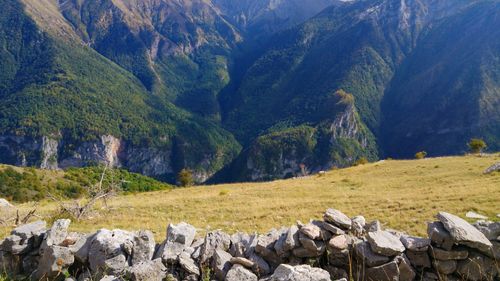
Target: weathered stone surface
{"type": "Point", "coordinates": [30, 230]}
{"type": "Point", "coordinates": [419, 259]}
{"type": "Point", "coordinates": [170, 251]}
{"type": "Point", "coordinates": [81, 247]}
{"type": "Point", "coordinates": [358, 225]}
{"type": "Point", "coordinates": [311, 230]}
{"type": "Point", "coordinates": [474, 215]}
{"type": "Point", "coordinates": [286, 272]}
{"type": "Point", "coordinates": [265, 247]}
{"type": "Point", "coordinates": [216, 240]}
{"type": "Point", "coordinates": [261, 267]}
{"type": "Point", "coordinates": [240, 243]}
{"type": "Point", "coordinates": [439, 235]}
{"type": "Point", "coordinates": [221, 263]}
{"type": "Point", "coordinates": [339, 258]}
{"type": "Point", "coordinates": [292, 239]}
{"type": "Point", "coordinates": [385, 272]}
{"type": "Point", "coordinates": [115, 265]}
{"type": "Point", "coordinates": [443, 255]}
{"type": "Point", "coordinates": [373, 226]}
{"type": "Point", "coordinates": [279, 246]}
{"type": "Point", "coordinates": [53, 261]}
{"type": "Point", "coordinates": [147, 270]}
{"type": "Point", "coordinates": [56, 234]}
{"type": "Point", "coordinates": [490, 229]}
{"type": "Point", "coordinates": [385, 243]}
{"type": "Point", "coordinates": [415, 244]}
{"type": "Point", "coordinates": [493, 168]}
{"type": "Point", "coordinates": [242, 261]}
{"type": "Point", "coordinates": [332, 228]}
{"type": "Point", "coordinates": [188, 264]}
{"type": "Point", "coordinates": [5, 204]}
{"type": "Point", "coordinates": [315, 247]}
{"type": "Point", "coordinates": [366, 256]}
{"type": "Point", "coordinates": [110, 278]}
{"type": "Point", "coordinates": [477, 267]}
{"type": "Point", "coordinates": [338, 242]}
{"type": "Point", "coordinates": [16, 245]}
{"type": "Point", "coordinates": [445, 267]}
{"type": "Point", "coordinates": [239, 273]}
{"type": "Point", "coordinates": [464, 233]}
{"type": "Point", "coordinates": [406, 271]}
{"type": "Point", "coordinates": [182, 233]}
{"type": "Point", "coordinates": [144, 246]}
{"type": "Point", "coordinates": [338, 218]}
{"type": "Point", "coordinates": [108, 249]}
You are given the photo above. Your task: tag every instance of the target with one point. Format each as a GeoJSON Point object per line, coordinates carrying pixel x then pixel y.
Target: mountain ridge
{"type": "Point", "coordinates": [157, 86]}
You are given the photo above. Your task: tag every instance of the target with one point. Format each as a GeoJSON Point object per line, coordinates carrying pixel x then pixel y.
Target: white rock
{"type": "Point", "coordinates": [474, 215]}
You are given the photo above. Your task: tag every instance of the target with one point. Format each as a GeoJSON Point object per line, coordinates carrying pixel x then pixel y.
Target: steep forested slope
{"type": "Point", "coordinates": [448, 89]}
{"type": "Point", "coordinates": [423, 75]}
{"type": "Point", "coordinates": [60, 99]}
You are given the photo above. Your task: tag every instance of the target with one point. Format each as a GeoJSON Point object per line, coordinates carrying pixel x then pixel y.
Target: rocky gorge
{"type": "Point", "coordinates": [334, 248]}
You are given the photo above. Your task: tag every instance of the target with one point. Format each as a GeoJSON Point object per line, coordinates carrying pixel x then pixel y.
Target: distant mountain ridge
{"type": "Point", "coordinates": [244, 90]}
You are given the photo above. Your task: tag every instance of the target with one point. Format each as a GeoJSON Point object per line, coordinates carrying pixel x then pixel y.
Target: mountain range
{"type": "Point", "coordinates": [244, 90]}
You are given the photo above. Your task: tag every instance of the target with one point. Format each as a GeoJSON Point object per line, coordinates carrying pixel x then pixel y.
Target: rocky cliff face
{"type": "Point", "coordinates": [51, 153]}
{"type": "Point", "coordinates": [298, 151]}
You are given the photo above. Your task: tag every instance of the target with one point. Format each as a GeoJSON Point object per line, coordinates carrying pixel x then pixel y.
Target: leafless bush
{"type": "Point", "coordinates": [83, 208]}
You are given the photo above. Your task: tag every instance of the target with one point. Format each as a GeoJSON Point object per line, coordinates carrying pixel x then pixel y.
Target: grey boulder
{"type": "Point", "coordinates": [52, 263]}
{"type": "Point", "coordinates": [386, 272]}
{"type": "Point", "coordinates": [464, 233]}
{"type": "Point", "coordinates": [338, 218]}
{"type": "Point", "coordinates": [416, 244]}
{"type": "Point", "coordinates": [286, 272]}
{"type": "Point", "coordinates": [148, 270]}
{"type": "Point", "coordinates": [385, 243]}
{"type": "Point", "coordinates": [239, 273]}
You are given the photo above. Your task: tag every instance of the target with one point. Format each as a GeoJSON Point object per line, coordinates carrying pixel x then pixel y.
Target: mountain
{"type": "Point", "coordinates": [64, 104]}
{"type": "Point", "coordinates": [413, 87]}
{"type": "Point", "coordinates": [244, 90]}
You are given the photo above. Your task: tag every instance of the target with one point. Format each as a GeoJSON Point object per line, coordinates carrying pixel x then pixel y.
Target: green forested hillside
{"type": "Point", "coordinates": [58, 87]}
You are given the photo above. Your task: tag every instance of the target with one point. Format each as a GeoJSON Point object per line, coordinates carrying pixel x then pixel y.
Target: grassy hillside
{"type": "Point", "coordinates": [402, 194]}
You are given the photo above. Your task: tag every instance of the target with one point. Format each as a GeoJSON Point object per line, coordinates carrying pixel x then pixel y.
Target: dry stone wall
{"type": "Point", "coordinates": [334, 248]}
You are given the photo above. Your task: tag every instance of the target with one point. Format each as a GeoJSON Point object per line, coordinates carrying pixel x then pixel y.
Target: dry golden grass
{"type": "Point", "coordinates": [402, 194]}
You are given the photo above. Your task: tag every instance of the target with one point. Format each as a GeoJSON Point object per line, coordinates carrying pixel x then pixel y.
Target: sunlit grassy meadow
{"type": "Point", "coordinates": [403, 195]}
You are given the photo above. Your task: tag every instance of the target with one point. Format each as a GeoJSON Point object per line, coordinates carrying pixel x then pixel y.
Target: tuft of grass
{"type": "Point", "coordinates": [396, 192]}
{"type": "Point", "coordinates": [224, 192]}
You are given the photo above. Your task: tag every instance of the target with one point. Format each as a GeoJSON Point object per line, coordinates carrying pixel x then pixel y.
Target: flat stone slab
{"type": "Point", "coordinates": [385, 243]}
{"type": "Point", "coordinates": [416, 244]}
{"type": "Point", "coordinates": [337, 218]}
{"type": "Point", "coordinates": [464, 233]}
{"type": "Point", "coordinates": [286, 272]}
{"type": "Point", "coordinates": [474, 215]}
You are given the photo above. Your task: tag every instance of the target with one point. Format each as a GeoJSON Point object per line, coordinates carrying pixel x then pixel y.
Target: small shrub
{"type": "Point", "coordinates": [420, 155]}
{"type": "Point", "coordinates": [476, 145]}
{"type": "Point", "coordinates": [223, 192]}
{"type": "Point", "coordinates": [361, 161]}
{"type": "Point", "coordinates": [185, 178]}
